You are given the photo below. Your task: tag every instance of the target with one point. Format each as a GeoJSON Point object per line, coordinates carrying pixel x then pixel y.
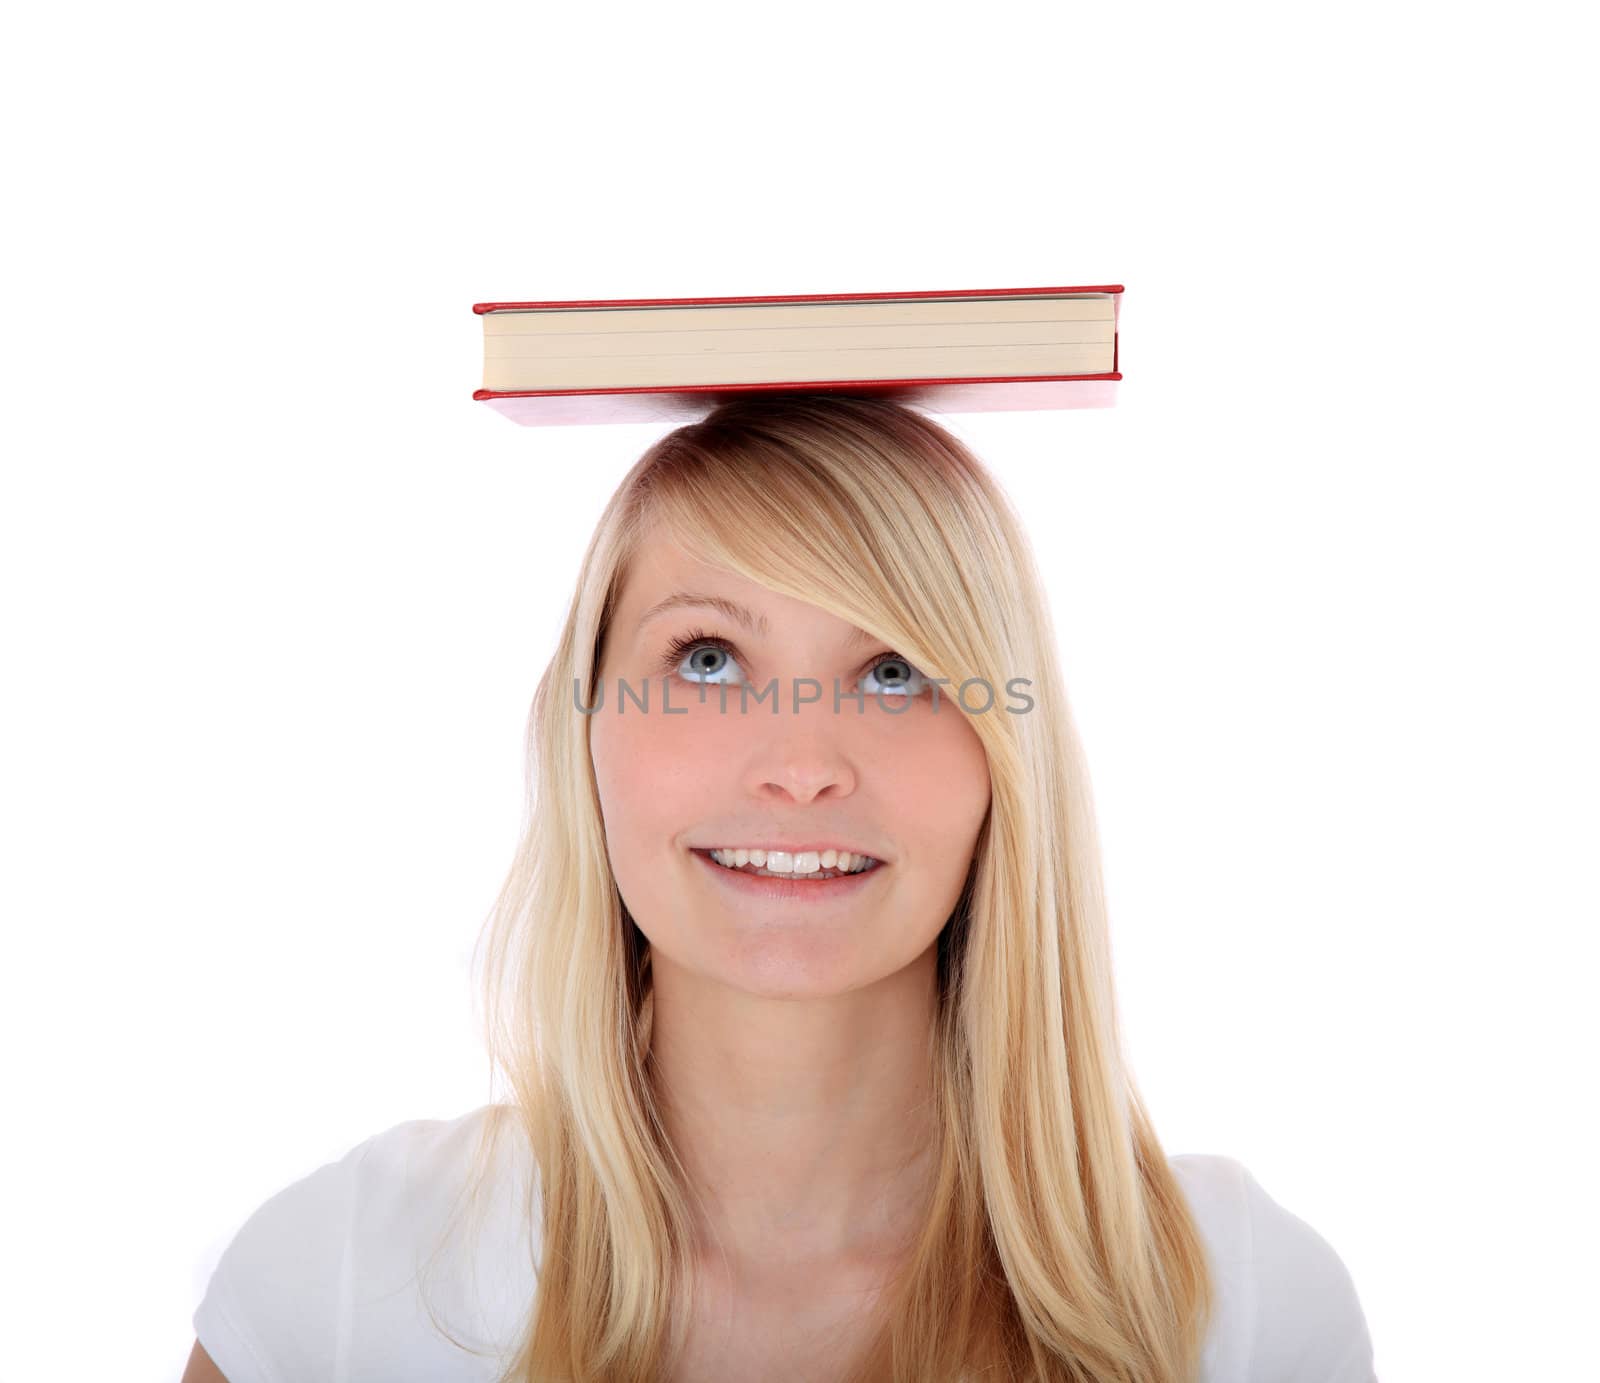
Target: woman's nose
{"type": "Point", "coordinates": [800, 756]}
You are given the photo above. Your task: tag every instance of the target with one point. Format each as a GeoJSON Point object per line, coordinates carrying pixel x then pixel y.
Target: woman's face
{"type": "Point", "coordinates": [908, 787]}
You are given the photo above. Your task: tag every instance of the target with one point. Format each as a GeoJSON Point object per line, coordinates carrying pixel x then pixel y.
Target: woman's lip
{"type": "Point", "coordinates": [757, 886]}
{"type": "Point", "coordinates": [792, 850]}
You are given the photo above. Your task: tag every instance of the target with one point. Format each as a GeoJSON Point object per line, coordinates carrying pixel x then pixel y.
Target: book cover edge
{"type": "Point", "coordinates": [480, 308]}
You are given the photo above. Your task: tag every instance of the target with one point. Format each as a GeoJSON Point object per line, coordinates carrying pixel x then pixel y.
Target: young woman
{"type": "Point", "coordinates": [800, 985]}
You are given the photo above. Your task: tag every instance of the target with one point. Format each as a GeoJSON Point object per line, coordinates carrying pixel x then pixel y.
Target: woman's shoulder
{"type": "Point", "coordinates": [408, 1179]}
{"type": "Point", "coordinates": [434, 1158]}
{"type": "Point", "coordinates": [336, 1274]}
{"type": "Point", "coordinates": [1286, 1306]}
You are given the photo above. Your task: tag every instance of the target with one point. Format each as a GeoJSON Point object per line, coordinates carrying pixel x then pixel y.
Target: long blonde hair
{"type": "Point", "coordinates": [1057, 1243]}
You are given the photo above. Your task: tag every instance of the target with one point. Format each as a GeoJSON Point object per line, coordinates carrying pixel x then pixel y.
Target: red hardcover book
{"type": "Point", "coordinates": [776, 354]}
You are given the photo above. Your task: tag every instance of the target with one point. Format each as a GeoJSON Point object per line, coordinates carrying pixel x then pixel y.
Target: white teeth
{"type": "Point", "coordinates": [794, 863]}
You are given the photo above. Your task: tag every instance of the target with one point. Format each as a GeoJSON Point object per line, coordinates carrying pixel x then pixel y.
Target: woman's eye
{"type": "Point", "coordinates": [896, 676]}
{"type": "Point", "coordinates": [705, 660]}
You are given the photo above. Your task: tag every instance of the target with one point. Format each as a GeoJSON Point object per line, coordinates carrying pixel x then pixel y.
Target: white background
{"type": "Point", "coordinates": [277, 592]}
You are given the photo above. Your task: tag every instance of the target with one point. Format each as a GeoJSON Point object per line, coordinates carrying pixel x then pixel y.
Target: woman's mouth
{"type": "Point", "coordinates": [800, 876]}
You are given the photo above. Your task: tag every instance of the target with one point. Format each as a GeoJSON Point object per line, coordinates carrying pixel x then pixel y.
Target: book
{"type": "Point", "coordinates": [625, 360]}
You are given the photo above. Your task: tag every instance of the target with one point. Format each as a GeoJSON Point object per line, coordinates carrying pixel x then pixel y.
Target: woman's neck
{"type": "Point", "coordinates": [806, 1126]}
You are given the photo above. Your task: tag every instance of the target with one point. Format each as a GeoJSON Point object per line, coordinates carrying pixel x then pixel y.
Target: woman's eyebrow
{"type": "Point", "coordinates": [732, 609]}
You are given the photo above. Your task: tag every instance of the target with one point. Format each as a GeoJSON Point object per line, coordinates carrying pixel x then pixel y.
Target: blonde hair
{"type": "Point", "coordinates": [1057, 1243]}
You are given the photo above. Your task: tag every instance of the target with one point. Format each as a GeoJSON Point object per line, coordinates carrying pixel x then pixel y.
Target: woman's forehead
{"type": "Point", "coordinates": [661, 567]}
{"type": "Point", "coordinates": [666, 577]}
{"type": "Point", "coordinates": [661, 560]}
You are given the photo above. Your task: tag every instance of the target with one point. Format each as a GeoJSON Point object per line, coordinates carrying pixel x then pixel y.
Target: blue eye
{"type": "Point", "coordinates": [898, 677]}
{"type": "Point", "coordinates": [708, 655]}
{"type": "Point", "coordinates": [711, 663]}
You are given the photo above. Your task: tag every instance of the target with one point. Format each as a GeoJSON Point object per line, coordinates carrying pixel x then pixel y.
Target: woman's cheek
{"type": "Point", "coordinates": [645, 760]}
{"type": "Point", "coordinates": [940, 752]}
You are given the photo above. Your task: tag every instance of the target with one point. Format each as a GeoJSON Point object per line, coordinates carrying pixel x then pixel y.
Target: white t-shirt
{"type": "Point", "coordinates": [320, 1284]}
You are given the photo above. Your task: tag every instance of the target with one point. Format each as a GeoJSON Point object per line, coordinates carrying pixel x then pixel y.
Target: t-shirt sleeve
{"type": "Point", "coordinates": [275, 1304]}
{"type": "Point", "coordinates": [1308, 1326]}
